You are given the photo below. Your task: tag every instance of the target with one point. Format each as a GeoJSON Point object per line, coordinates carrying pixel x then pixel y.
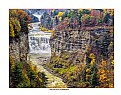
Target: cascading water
{"type": "Point", "coordinates": [40, 53]}
{"type": "Point", "coordinates": [39, 41]}
{"type": "Point", "coordinates": [38, 15]}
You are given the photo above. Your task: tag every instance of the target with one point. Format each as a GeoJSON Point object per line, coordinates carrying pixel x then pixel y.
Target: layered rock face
{"type": "Point", "coordinates": [19, 48]}
{"type": "Point", "coordinates": [78, 41]}
{"type": "Point", "coordinates": [70, 41]}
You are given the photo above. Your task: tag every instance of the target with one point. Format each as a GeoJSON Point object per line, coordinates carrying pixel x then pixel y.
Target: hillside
{"type": "Point", "coordinates": [81, 43]}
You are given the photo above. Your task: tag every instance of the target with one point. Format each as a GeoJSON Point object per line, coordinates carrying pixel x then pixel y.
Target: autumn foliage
{"type": "Point", "coordinates": [25, 75]}
{"type": "Point", "coordinates": [18, 20]}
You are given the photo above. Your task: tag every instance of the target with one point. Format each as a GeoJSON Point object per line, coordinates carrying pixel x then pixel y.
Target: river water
{"type": "Point", "coordinates": [40, 53]}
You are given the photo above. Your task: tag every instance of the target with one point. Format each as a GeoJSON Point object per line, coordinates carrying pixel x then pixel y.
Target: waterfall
{"type": "Point", "coordinates": [39, 41]}
{"type": "Point", "coordinates": [39, 44]}
{"type": "Point", "coordinates": [38, 16]}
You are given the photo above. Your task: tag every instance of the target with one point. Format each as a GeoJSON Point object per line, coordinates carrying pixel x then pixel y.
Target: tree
{"type": "Point", "coordinates": [106, 74]}
{"type": "Point", "coordinates": [18, 22]}
{"type": "Point", "coordinates": [86, 11]}
{"type": "Point", "coordinates": [90, 76]}
{"type": "Point", "coordinates": [106, 18]}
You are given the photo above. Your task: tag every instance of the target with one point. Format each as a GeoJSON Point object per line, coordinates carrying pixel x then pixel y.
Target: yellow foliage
{"type": "Point", "coordinates": [15, 15]}
{"type": "Point", "coordinates": [105, 74]}
{"type": "Point", "coordinates": [104, 63]}
{"type": "Point", "coordinates": [92, 56]}
{"type": "Point", "coordinates": [111, 86]}
{"type": "Point", "coordinates": [17, 25]}
{"type": "Point", "coordinates": [36, 77]}
{"type": "Point", "coordinates": [92, 62]}
{"type": "Point", "coordinates": [25, 75]}
{"type": "Point", "coordinates": [87, 70]}
{"type": "Point", "coordinates": [87, 77]}
{"type": "Point", "coordinates": [60, 14]}
{"type": "Point", "coordinates": [87, 47]}
{"type": "Point", "coordinates": [112, 62]}
{"type": "Point", "coordinates": [53, 31]}
{"type": "Point", "coordinates": [49, 30]}
{"type": "Point", "coordinates": [11, 59]}
{"type": "Point", "coordinates": [60, 18]}
{"type": "Point", "coordinates": [99, 71]}
{"type": "Point", "coordinates": [111, 43]}
{"type": "Point", "coordinates": [103, 71]}
{"type": "Point", "coordinates": [11, 62]}
{"type": "Point", "coordinates": [107, 71]}
{"type": "Point", "coordinates": [31, 66]}
{"type": "Point", "coordinates": [44, 29]}
{"type": "Point", "coordinates": [110, 11]}
{"type": "Point", "coordinates": [14, 26]}
{"type": "Point", "coordinates": [80, 10]}
{"type": "Point", "coordinates": [11, 30]}
{"type": "Point", "coordinates": [35, 68]}
{"type": "Point", "coordinates": [102, 78]}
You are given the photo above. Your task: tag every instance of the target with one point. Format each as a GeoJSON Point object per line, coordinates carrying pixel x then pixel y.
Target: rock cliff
{"type": "Point", "coordinates": [19, 48]}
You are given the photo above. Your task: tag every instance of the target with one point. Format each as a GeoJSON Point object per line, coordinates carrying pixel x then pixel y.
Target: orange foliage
{"type": "Point", "coordinates": [106, 76]}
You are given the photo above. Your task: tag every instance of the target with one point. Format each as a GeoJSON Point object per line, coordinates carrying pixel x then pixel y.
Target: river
{"type": "Point", "coordinates": [40, 53]}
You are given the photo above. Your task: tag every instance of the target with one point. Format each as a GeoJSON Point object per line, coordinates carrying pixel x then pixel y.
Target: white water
{"type": "Point", "coordinates": [40, 53]}
{"type": "Point", "coordinates": [39, 40]}
{"type": "Point", "coordinates": [37, 15]}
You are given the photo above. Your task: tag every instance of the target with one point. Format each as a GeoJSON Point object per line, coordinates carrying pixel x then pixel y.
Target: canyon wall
{"type": "Point", "coordinates": [18, 48]}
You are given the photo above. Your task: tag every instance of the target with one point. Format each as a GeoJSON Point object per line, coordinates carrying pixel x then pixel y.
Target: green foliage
{"type": "Point", "coordinates": [77, 18]}
{"type": "Point", "coordinates": [80, 75]}
{"type": "Point", "coordinates": [86, 11]}
{"type": "Point", "coordinates": [107, 16]}
{"type": "Point", "coordinates": [23, 75]}
{"type": "Point", "coordinates": [72, 13]}
{"type": "Point", "coordinates": [69, 72]}
{"type": "Point", "coordinates": [94, 77]}
{"type": "Point", "coordinates": [18, 21]}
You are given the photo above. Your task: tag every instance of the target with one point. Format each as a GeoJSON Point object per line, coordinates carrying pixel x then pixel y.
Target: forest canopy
{"type": "Point", "coordinates": [18, 20]}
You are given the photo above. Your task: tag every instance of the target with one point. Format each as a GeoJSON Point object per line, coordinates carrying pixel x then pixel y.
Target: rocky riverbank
{"type": "Point", "coordinates": [53, 81]}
